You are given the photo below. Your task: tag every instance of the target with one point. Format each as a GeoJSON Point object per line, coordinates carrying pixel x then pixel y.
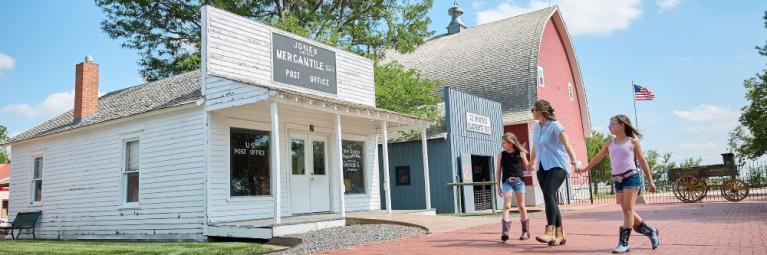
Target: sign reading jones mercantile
{"type": "Point", "coordinates": [302, 64]}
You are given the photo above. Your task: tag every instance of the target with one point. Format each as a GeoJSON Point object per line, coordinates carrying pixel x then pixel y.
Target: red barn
{"type": "Point", "coordinates": [514, 61]}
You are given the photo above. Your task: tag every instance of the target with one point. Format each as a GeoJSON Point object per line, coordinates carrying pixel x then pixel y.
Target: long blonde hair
{"type": "Point", "coordinates": [512, 139]}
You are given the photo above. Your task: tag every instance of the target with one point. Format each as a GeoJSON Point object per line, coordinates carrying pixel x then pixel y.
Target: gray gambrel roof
{"type": "Point", "coordinates": [166, 93]}
{"type": "Point", "coordinates": [497, 61]}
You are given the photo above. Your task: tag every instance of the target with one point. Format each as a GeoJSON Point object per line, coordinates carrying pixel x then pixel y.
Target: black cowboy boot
{"type": "Point", "coordinates": [649, 232]}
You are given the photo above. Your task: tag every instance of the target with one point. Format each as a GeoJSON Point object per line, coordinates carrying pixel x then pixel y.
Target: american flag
{"type": "Point", "coordinates": [642, 93]}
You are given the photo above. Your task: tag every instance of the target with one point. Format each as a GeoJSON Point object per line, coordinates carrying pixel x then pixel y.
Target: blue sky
{"type": "Point", "coordinates": [693, 54]}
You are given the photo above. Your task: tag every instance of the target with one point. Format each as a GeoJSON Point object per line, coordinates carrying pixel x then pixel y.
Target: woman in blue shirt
{"type": "Point", "coordinates": [552, 156]}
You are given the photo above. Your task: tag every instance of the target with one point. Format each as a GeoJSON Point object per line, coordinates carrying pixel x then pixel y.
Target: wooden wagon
{"type": "Point", "coordinates": [689, 184]}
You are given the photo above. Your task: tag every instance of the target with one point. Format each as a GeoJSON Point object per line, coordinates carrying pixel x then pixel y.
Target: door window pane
{"type": "Point", "coordinates": [297, 156]}
{"type": "Point", "coordinates": [319, 157]}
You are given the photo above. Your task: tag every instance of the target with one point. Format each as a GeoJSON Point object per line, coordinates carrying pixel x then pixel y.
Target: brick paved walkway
{"type": "Point", "coordinates": [701, 228]}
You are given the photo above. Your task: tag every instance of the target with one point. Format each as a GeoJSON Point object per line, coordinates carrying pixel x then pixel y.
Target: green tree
{"type": "Point", "coordinates": [690, 162]}
{"type": "Point", "coordinates": [749, 139]}
{"type": "Point", "coordinates": [394, 83]}
{"type": "Point", "coordinates": [3, 138]}
{"type": "Point", "coordinates": [659, 165]}
{"type": "Point", "coordinates": [601, 172]}
{"type": "Point", "coordinates": [167, 35]}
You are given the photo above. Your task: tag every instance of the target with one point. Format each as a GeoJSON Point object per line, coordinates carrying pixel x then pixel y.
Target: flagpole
{"type": "Point", "coordinates": [633, 96]}
{"type": "Point", "coordinates": [640, 196]}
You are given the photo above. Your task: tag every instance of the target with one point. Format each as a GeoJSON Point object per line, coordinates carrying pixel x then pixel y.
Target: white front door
{"type": "Point", "coordinates": [309, 182]}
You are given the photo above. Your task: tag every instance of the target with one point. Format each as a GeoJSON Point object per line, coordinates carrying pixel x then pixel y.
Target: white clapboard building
{"type": "Point", "coordinates": [273, 128]}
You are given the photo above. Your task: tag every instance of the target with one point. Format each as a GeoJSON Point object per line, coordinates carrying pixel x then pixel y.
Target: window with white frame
{"type": "Point", "coordinates": [541, 81]}
{"type": "Point", "coordinates": [131, 171]}
{"type": "Point", "coordinates": [37, 180]}
{"type": "Point", "coordinates": [4, 210]}
{"type": "Point", "coordinates": [570, 90]}
{"type": "Point", "coordinates": [249, 163]}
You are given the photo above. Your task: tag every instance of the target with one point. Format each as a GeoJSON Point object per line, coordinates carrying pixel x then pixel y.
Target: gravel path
{"type": "Point", "coordinates": [340, 237]}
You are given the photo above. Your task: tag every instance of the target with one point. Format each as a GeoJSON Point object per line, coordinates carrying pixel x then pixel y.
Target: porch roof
{"type": "Point", "coordinates": [332, 105]}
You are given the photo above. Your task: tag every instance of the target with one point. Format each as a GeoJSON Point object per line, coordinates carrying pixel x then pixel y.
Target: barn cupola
{"type": "Point", "coordinates": [456, 24]}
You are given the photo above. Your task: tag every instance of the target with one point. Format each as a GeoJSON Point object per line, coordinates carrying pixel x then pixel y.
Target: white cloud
{"type": "Point", "coordinates": [7, 63]}
{"type": "Point", "coordinates": [705, 146]}
{"type": "Point", "coordinates": [581, 16]}
{"type": "Point", "coordinates": [706, 118]}
{"type": "Point", "coordinates": [705, 113]}
{"type": "Point", "coordinates": [665, 5]}
{"type": "Point", "coordinates": [507, 9]}
{"type": "Point", "coordinates": [53, 105]}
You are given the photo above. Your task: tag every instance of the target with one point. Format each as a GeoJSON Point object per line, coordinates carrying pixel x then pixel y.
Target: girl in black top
{"type": "Point", "coordinates": [510, 163]}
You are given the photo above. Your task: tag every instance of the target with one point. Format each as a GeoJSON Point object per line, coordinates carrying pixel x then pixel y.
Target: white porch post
{"type": "Point", "coordinates": [387, 185]}
{"type": "Point", "coordinates": [340, 166]}
{"type": "Point", "coordinates": [427, 187]}
{"type": "Point", "coordinates": [275, 162]}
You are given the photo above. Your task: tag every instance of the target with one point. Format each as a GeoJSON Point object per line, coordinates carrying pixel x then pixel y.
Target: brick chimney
{"type": "Point", "coordinates": [86, 88]}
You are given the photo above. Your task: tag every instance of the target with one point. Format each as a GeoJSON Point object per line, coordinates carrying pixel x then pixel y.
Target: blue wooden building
{"type": "Point", "coordinates": [462, 148]}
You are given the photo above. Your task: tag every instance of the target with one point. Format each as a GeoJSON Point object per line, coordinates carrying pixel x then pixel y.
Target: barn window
{"type": "Point", "coordinates": [541, 81]}
{"type": "Point", "coordinates": [37, 180]}
{"type": "Point", "coordinates": [131, 170]}
{"type": "Point", "coordinates": [249, 158]}
{"type": "Point", "coordinates": [570, 91]}
{"type": "Point", "coordinates": [403, 175]}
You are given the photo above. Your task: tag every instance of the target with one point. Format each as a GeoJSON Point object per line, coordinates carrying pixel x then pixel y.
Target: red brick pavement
{"type": "Point", "coordinates": [700, 228]}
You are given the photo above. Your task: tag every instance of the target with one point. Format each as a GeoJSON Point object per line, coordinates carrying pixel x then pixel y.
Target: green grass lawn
{"type": "Point", "coordinates": [125, 248]}
{"type": "Point", "coordinates": [603, 195]}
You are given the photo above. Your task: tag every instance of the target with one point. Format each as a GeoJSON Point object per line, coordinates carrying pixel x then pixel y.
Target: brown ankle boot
{"type": "Point", "coordinates": [525, 229]}
{"type": "Point", "coordinates": [559, 237]}
{"type": "Point", "coordinates": [547, 236]}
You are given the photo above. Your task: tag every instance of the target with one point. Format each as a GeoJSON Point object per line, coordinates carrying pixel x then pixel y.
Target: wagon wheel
{"type": "Point", "coordinates": [689, 189]}
{"type": "Point", "coordinates": [734, 190]}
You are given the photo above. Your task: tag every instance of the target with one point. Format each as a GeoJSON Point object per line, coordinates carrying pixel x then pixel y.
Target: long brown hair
{"type": "Point", "coordinates": [630, 130]}
{"type": "Point", "coordinates": [512, 139]}
{"type": "Point", "coordinates": [545, 108]}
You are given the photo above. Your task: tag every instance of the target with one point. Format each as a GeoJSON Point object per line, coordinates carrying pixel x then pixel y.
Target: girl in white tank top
{"type": "Point", "coordinates": [623, 149]}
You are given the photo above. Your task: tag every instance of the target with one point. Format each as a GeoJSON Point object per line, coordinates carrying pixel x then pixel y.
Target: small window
{"type": "Point", "coordinates": [131, 171]}
{"type": "Point", "coordinates": [541, 80]}
{"type": "Point", "coordinates": [354, 167]}
{"type": "Point", "coordinates": [570, 91]}
{"type": "Point", "coordinates": [37, 180]}
{"type": "Point", "coordinates": [403, 175]}
{"type": "Point", "coordinates": [249, 162]}
{"type": "Point", "coordinates": [4, 210]}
